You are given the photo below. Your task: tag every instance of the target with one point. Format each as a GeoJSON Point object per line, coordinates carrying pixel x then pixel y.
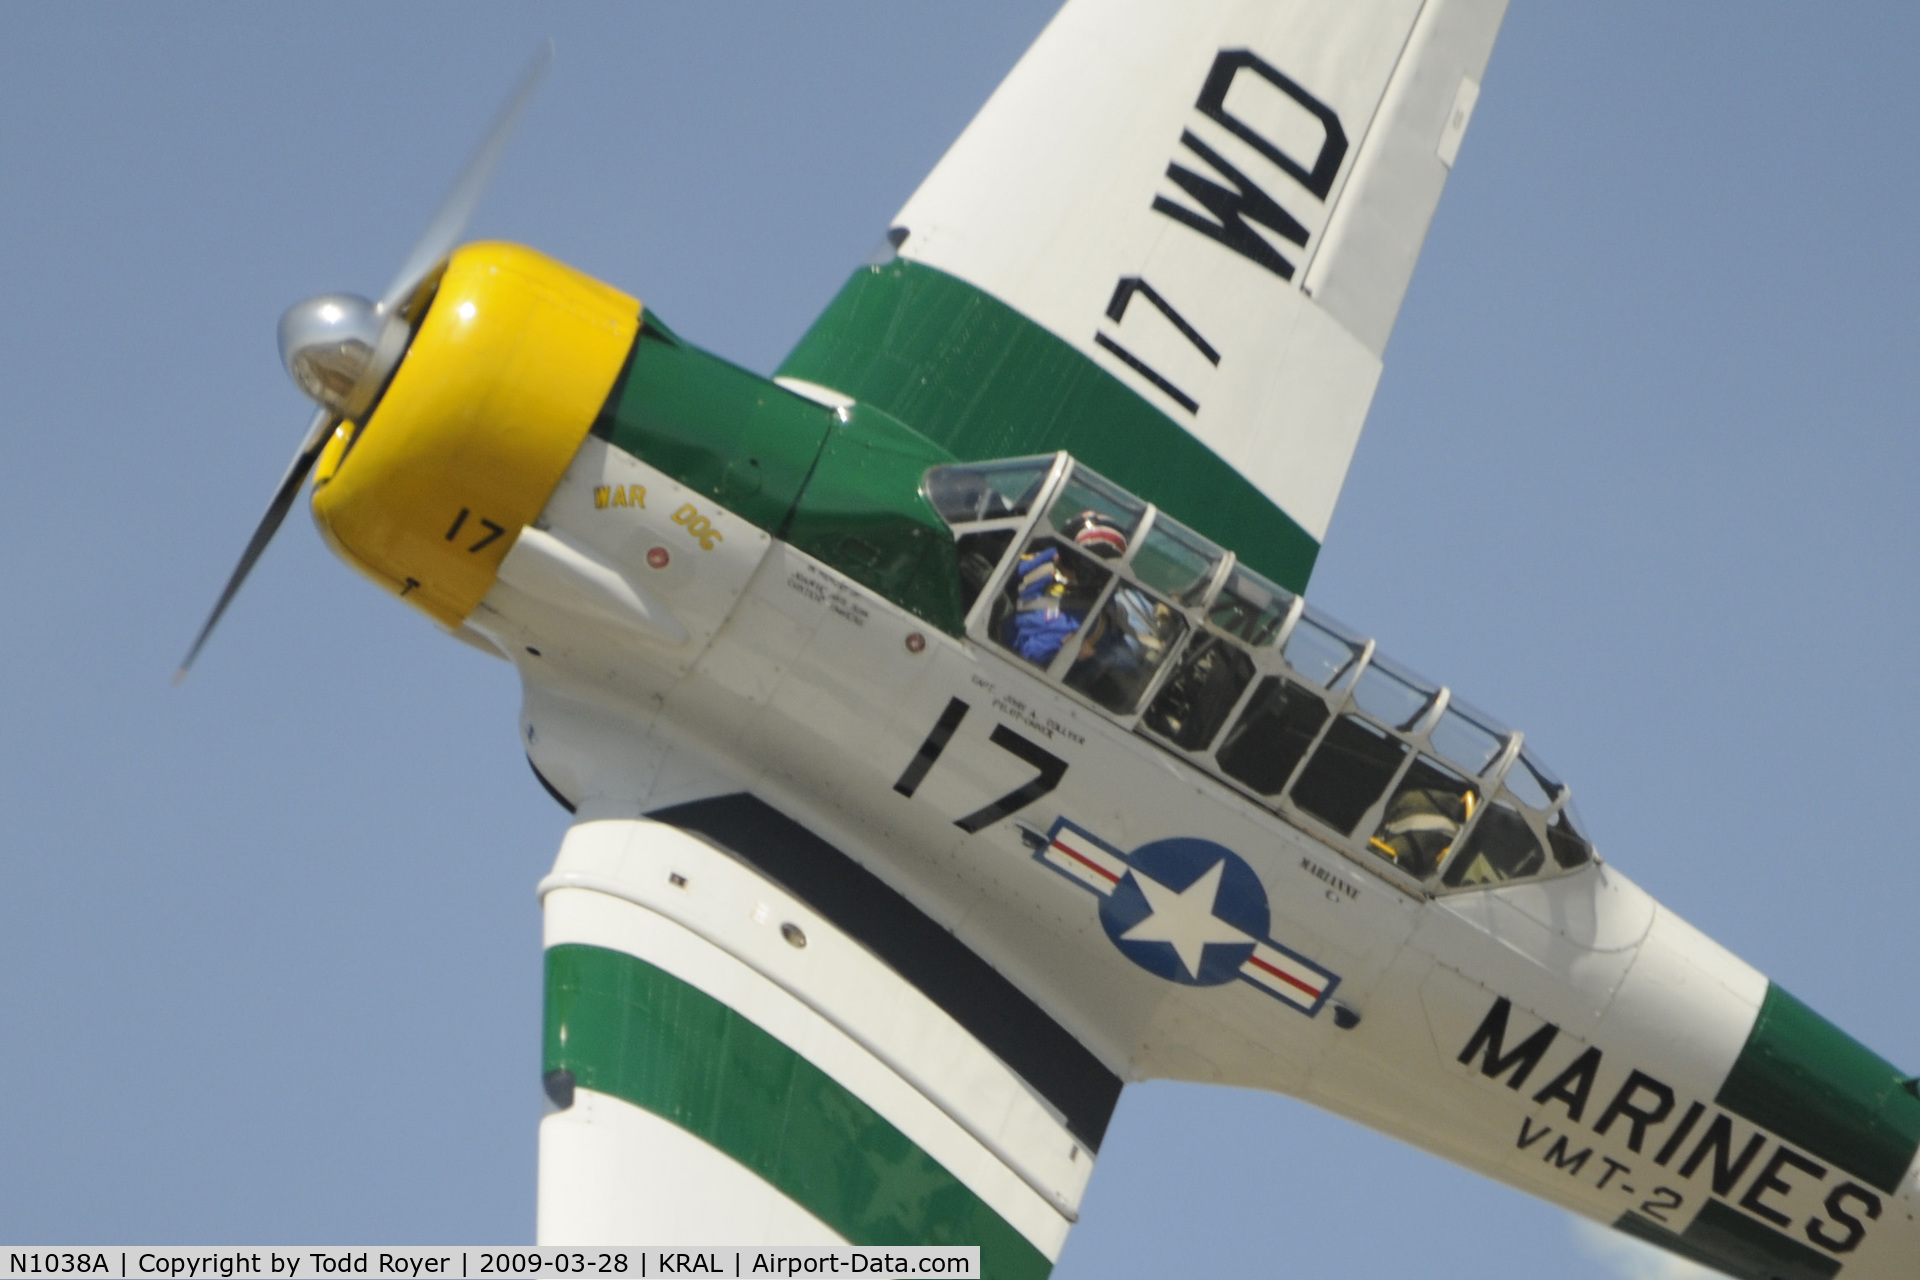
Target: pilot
{"type": "Point", "coordinates": [1053, 589]}
{"type": "Point", "coordinates": [1125, 644]}
{"type": "Point", "coordinates": [1419, 827]}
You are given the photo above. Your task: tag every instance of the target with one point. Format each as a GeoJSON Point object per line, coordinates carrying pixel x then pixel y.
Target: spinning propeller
{"type": "Point", "coordinates": [341, 348]}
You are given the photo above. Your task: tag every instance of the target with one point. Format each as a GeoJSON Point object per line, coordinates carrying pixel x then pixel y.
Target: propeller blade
{"type": "Point", "coordinates": [323, 424]}
{"type": "Point", "coordinates": [451, 220]}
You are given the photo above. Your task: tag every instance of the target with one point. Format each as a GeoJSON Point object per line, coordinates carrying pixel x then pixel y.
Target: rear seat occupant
{"type": "Point", "coordinates": [1133, 634]}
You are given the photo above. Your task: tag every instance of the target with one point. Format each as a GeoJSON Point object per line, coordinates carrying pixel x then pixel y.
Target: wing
{"type": "Point", "coordinates": [1174, 243]}
{"type": "Point", "coordinates": [751, 1040]}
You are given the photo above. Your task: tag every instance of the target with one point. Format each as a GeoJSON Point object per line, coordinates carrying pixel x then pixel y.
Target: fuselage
{"type": "Point", "coordinates": [735, 586]}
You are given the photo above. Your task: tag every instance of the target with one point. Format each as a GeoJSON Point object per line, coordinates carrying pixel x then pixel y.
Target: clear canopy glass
{"type": "Point", "coordinates": [987, 490]}
{"type": "Point", "coordinates": [1468, 738]}
{"type": "Point", "coordinates": [1321, 650]}
{"type": "Point", "coordinates": [1154, 625]}
{"type": "Point", "coordinates": [1250, 607]}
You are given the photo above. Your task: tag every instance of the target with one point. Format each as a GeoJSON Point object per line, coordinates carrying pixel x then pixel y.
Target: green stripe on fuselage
{"type": "Point", "coordinates": [844, 487]}
{"type": "Point", "coordinates": [1825, 1092]}
{"type": "Point", "coordinates": [713, 426]}
{"type": "Point", "coordinates": [1729, 1241]}
{"type": "Point", "coordinates": [627, 1028]}
{"type": "Point", "coordinates": [978, 378]}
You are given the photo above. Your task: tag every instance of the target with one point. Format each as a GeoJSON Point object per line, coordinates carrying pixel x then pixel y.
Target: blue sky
{"type": "Point", "coordinates": [1639, 480]}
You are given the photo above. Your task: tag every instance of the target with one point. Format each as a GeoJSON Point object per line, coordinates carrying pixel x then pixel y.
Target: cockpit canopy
{"type": "Point", "coordinates": [1164, 632]}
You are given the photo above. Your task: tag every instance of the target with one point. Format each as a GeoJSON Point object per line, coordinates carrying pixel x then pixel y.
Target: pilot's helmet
{"type": "Point", "coordinates": [1094, 532]}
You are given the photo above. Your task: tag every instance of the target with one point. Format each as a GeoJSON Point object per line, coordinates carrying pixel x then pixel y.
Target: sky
{"type": "Point", "coordinates": [269, 946]}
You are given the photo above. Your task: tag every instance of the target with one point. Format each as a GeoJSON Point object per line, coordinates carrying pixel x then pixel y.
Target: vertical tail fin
{"type": "Point", "coordinates": [1174, 242]}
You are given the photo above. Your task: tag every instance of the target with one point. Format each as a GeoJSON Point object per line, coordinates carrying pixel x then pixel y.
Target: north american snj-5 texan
{"type": "Point", "coordinates": [949, 742]}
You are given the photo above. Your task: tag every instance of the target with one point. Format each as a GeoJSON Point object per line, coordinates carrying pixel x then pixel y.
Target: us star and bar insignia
{"type": "Point", "coordinates": [1187, 910]}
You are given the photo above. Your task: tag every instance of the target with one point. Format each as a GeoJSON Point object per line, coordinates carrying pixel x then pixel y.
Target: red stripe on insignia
{"type": "Point", "coordinates": [1087, 862]}
{"type": "Point", "coordinates": [1287, 978]}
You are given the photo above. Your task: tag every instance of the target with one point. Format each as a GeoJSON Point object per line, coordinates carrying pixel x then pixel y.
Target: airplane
{"type": "Point", "coordinates": [569, 580]}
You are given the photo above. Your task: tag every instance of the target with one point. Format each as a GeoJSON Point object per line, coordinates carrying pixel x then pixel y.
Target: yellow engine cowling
{"type": "Point", "coordinates": [504, 377]}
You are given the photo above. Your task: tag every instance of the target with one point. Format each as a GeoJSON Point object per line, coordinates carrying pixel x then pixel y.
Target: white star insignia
{"type": "Point", "coordinates": [1185, 918]}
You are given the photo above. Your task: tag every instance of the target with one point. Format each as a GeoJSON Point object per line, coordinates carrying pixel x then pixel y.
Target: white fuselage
{"type": "Point", "coordinates": [743, 665]}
